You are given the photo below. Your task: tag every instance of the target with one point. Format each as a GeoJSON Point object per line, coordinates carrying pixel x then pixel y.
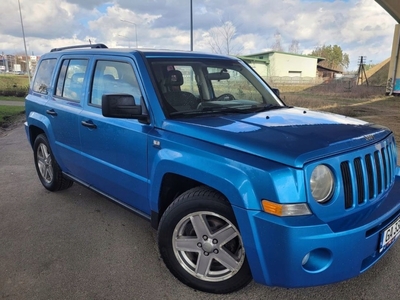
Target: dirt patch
{"type": "Point", "coordinates": [386, 115]}
{"type": "Point", "coordinates": [11, 123]}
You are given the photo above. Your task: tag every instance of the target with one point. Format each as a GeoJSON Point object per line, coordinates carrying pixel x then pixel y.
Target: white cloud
{"type": "Point", "coordinates": [360, 27]}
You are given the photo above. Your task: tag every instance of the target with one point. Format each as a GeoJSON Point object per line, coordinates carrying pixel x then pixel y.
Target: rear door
{"type": "Point", "coordinates": [63, 109]}
{"type": "Point", "coordinates": [115, 150]}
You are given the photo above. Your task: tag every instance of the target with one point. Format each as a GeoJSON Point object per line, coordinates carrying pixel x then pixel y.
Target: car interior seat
{"type": "Point", "coordinates": [177, 99]}
{"type": "Point", "coordinates": [75, 88]}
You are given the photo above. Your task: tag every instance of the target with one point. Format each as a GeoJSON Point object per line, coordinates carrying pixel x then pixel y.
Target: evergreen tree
{"type": "Point", "coordinates": [334, 56]}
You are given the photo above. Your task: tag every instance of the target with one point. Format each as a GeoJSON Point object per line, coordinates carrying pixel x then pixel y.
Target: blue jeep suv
{"type": "Point", "coordinates": [239, 185]}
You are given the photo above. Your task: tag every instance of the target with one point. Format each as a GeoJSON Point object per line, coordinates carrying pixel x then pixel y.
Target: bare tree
{"type": "Point", "coordinates": [294, 47]}
{"type": "Point", "coordinates": [222, 39]}
{"type": "Point", "coordinates": [277, 46]}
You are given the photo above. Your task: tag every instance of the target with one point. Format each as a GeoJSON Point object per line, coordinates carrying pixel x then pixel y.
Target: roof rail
{"type": "Point", "coordinates": [93, 46]}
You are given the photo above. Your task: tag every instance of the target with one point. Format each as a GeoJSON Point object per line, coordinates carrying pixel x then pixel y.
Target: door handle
{"type": "Point", "coordinates": [89, 124]}
{"type": "Point", "coordinates": [51, 112]}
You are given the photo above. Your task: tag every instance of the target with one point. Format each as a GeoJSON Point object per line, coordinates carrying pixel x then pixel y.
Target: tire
{"type": "Point", "coordinates": [47, 167]}
{"type": "Point", "coordinates": [200, 243]}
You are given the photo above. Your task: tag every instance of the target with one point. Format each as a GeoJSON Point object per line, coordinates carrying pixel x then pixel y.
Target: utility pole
{"type": "Point", "coordinates": [191, 25]}
{"type": "Point", "coordinates": [362, 75]}
{"type": "Point", "coordinates": [5, 61]}
{"type": "Point", "coordinates": [135, 29]}
{"type": "Point", "coordinates": [26, 52]}
{"type": "Point", "coordinates": [2, 60]}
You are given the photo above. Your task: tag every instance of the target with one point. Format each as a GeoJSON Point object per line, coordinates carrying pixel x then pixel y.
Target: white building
{"type": "Point", "coordinates": [283, 64]}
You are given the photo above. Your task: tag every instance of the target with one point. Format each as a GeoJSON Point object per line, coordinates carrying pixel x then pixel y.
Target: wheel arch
{"type": "Point", "coordinates": [231, 182]}
{"type": "Point", "coordinates": [34, 131]}
{"type": "Point", "coordinates": [38, 124]}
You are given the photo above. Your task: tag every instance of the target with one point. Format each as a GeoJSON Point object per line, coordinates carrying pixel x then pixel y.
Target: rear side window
{"type": "Point", "coordinates": [70, 82]}
{"type": "Point", "coordinates": [43, 76]}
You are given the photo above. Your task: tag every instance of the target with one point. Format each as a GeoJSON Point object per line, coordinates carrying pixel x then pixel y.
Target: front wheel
{"type": "Point", "coordinates": [47, 167]}
{"type": "Point", "coordinates": [200, 243]}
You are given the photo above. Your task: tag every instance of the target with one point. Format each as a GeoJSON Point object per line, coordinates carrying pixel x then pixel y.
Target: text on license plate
{"type": "Point", "coordinates": [389, 235]}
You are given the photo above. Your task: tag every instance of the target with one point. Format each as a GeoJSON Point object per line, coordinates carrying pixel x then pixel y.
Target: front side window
{"type": "Point", "coordinates": [70, 82]}
{"type": "Point", "coordinates": [237, 87]}
{"type": "Point", "coordinates": [114, 77]}
{"type": "Point", "coordinates": [43, 76]}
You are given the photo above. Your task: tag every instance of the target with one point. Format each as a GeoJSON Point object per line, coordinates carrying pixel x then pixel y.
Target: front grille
{"type": "Point", "coordinates": [366, 177]}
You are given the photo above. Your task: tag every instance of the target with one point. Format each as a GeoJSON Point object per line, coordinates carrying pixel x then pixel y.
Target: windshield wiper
{"type": "Point", "coordinates": [224, 109]}
{"type": "Point", "coordinates": [228, 110]}
{"type": "Point", "coordinates": [185, 113]}
{"type": "Point", "coordinates": [213, 110]}
{"type": "Point", "coordinates": [270, 107]}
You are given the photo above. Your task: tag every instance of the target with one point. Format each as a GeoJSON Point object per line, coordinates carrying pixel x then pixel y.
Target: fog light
{"type": "Point", "coordinates": [317, 260]}
{"type": "Point", "coordinates": [305, 259]}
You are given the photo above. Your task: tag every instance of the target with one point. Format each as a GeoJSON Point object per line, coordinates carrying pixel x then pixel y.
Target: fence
{"type": "Point", "coordinates": [324, 85]}
{"type": "Point", "coordinates": [293, 80]}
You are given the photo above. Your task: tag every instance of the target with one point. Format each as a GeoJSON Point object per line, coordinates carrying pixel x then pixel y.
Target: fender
{"type": "Point", "coordinates": [35, 119]}
{"type": "Point", "coordinates": [244, 181]}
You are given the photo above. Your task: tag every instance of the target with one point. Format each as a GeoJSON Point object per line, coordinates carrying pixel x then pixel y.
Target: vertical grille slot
{"type": "Point", "coordinates": [385, 176]}
{"type": "Point", "coordinates": [360, 180]}
{"type": "Point", "coordinates": [378, 171]}
{"type": "Point", "coordinates": [393, 155]}
{"type": "Point", "coordinates": [390, 161]}
{"type": "Point", "coordinates": [370, 174]}
{"type": "Point", "coordinates": [347, 184]}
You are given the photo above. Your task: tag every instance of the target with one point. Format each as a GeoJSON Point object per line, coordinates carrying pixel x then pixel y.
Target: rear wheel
{"type": "Point", "coordinates": [200, 242]}
{"type": "Point", "coordinates": [47, 168]}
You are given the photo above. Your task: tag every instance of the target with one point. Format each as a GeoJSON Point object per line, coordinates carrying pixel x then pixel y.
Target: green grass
{"type": "Point", "coordinates": [13, 81]}
{"type": "Point", "coordinates": [12, 98]}
{"type": "Point", "coordinates": [13, 85]}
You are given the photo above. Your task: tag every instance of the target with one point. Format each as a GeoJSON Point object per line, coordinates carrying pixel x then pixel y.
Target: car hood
{"type": "Point", "coordinates": [292, 136]}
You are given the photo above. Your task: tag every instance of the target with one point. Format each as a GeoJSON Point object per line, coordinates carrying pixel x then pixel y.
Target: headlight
{"type": "Point", "coordinates": [322, 183]}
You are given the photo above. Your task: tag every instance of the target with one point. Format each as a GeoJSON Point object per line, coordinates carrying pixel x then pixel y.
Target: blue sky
{"type": "Point", "coordinates": [102, 8]}
{"type": "Point", "coordinates": [360, 27]}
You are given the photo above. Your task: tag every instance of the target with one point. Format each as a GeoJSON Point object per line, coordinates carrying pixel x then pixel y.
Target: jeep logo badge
{"type": "Point", "coordinates": [369, 137]}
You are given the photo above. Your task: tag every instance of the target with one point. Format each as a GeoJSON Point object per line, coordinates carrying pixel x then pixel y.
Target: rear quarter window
{"type": "Point", "coordinates": [42, 80]}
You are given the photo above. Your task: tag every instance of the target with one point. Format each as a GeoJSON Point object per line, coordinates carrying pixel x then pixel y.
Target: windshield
{"type": "Point", "coordinates": [198, 87]}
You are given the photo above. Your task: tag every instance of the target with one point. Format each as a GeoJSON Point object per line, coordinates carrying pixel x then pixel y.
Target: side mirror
{"type": "Point", "coordinates": [120, 106]}
{"type": "Point", "coordinates": [276, 92]}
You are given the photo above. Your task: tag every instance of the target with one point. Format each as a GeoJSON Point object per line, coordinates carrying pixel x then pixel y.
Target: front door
{"type": "Point", "coordinates": [115, 150]}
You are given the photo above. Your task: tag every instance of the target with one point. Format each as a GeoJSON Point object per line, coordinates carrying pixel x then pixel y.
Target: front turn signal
{"type": "Point", "coordinates": [285, 210]}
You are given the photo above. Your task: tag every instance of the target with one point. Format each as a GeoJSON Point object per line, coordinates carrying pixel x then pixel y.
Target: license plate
{"type": "Point", "coordinates": [390, 235]}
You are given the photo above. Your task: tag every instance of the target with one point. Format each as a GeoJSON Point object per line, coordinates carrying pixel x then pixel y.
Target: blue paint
{"type": "Point", "coordinates": [396, 87]}
{"type": "Point", "coordinates": [249, 148]}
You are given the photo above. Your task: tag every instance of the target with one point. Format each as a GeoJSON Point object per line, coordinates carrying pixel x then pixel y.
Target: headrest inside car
{"type": "Point", "coordinates": [174, 78]}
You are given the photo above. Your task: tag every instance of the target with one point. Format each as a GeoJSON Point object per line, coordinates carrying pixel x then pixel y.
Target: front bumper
{"type": "Point", "coordinates": [303, 251]}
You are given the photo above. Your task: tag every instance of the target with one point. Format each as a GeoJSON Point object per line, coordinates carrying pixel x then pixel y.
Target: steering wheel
{"type": "Point", "coordinates": [225, 97]}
